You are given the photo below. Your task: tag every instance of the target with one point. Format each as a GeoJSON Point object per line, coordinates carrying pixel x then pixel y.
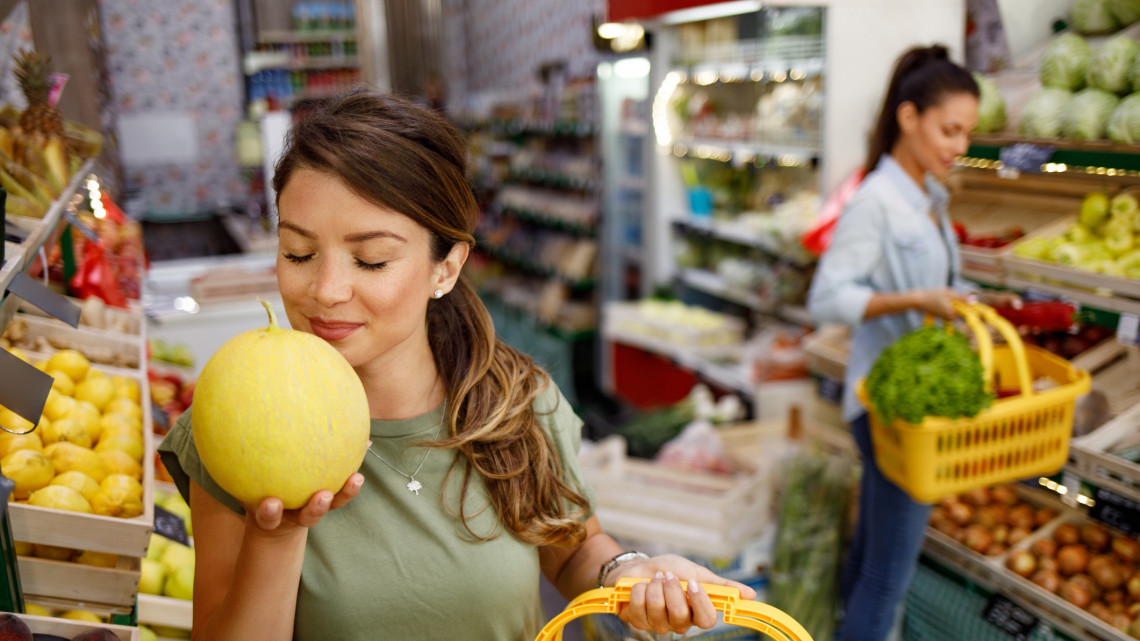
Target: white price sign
{"type": "Point", "coordinates": [1128, 329]}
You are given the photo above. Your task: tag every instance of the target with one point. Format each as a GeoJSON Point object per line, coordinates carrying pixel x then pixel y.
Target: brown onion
{"type": "Point", "coordinates": [1120, 621]}
{"type": "Point", "coordinates": [997, 549]}
{"type": "Point", "coordinates": [1045, 547]}
{"type": "Point", "coordinates": [1048, 563]}
{"type": "Point", "coordinates": [1086, 581]}
{"type": "Point", "coordinates": [1044, 515]}
{"type": "Point", "coordinates": [1017, 535]}
{"type": "Point", "coordinates": [1100, 611]}
{"type": "Point", "coordinates": [1076, 594]}
{"type": "Point", "coordinates": [1096, 537]}
{"type": "Point", "coordinates": [979, 538]}
{"type": "Point", "coordinates": [1072, 559]}
{"type": "Point", "coordinates": [1109, 575]}
{"type": "Point", "coordinates": [1134, 610]}
{"type": "Point", "coordinates": [1022, 562]}
{"type": "Point", "coordinates": [1004, 494]}
{"type": "Point", "coordinates": [1022, 516]}
{"type": "Point", "coordinates": [960, 513]}
{"type": "Point", "coordinates": [1127, 549]}
{"type": "Point", "coordinates": [980, 496]}
{"type": "Point", "coordinates": [1133, 586]}
{"type": "Point", "coordinates": [1114, 597]}
{"type": "Point", "coordinates": [1067, 534]}
{"type": "Point", "coordinates": [1047, 579]}
{"type": "Point", "coordinates": [1001, 533]}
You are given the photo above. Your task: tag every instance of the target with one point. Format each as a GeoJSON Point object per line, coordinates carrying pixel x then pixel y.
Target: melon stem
{"type": "Point", "coordinates": [273, 326]}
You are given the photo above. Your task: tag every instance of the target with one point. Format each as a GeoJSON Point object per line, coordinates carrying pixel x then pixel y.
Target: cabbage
{"type": "Point", "coordinates": [1087, 114]}
{"type": "Point", "coordinates": [1041, 117]}
{"type": "Point", "coordinates": [1125, 11]}
{"type": "Point", "coordinates": [1134, 75]}
{"type": "Point", "coordinates": [991, 106]}
{"type": "Point", "coordinates": [1066, 62]}
{"type": "Point", "coordinates": [1093, 16]}
{"type": "Point", "coordinates": [1110, 68]}
{"type": "Point", "coordinates": [1124, 124]}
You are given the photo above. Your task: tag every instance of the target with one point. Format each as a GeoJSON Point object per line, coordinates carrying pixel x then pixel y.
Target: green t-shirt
{"type": "Point", "coordinates": [396, 565]}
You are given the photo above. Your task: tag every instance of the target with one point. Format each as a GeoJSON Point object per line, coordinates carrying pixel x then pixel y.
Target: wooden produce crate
{"type": "Point", "coordinates": [165, 611]}
{"type": "Point", "coordinates": [1106, 457]}
{"type": "Point", "coordinates": [61, 582]}
{"type": "Point", "coordinates": [69, 629]}
{"type": "Point", "coordinates": [708, 515]}
{"type": "Point", "coordinates": [131, 320]}
{"type": "Point", "coordinates": [828, 348]}
{"type": "Point", "coordinates": [988, 206]}
{"type": "Point", "coordinates": [124, 354]}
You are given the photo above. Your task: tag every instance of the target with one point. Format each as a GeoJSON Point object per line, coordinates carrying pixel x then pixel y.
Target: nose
{"type": "Point", "coordinates": [330, 285]}
{"type": "Point", "coordinates": [962, 145]}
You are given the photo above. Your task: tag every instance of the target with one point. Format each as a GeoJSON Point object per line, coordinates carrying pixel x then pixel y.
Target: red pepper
{"type": "Point", "coordinates": [1045, 315]}
{"type": "Point", "coordinates": [960, 231]}
{"type": "Point", "coordinates": [999, 240]}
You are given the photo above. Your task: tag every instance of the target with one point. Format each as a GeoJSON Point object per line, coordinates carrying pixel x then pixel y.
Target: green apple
{"type": "Point", "coordinates": [1125, 206]}
{"type": "Point", "coordinates": [1094, 210]}
{"type": "Point", "coordinates": [180, 584]}
{"type": "Point", "coordinates": [152, 578]}
{"type": "Point", "coordinates": [177, 506]}
{"type": "Point", "coordinates": [146, 634]}
{"type": "Point", "coordinates": [177, 556]}
{"type": "Point", "coordinates": [157, 546]}
{"type": "Point", "coordinates": [1118, 236]}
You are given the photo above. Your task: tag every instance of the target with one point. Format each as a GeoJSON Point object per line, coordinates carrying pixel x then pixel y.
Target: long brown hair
{"type": "Point", "coordinates": [923, 76]}
{"type": "Point", "coordinates": [409, 159]}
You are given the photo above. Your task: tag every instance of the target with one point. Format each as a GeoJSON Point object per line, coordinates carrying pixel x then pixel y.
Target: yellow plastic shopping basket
{"type": "Point", "coordinates": [1015, 438]}
{"type": "Point", "coordinates": [736, 610]}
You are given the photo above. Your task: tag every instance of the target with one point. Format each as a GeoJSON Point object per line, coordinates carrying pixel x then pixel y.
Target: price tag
{"type": "Point", "coordinates": [1116, 511]}
{"type": "Point", "coordinates": [1025, 158]}
{"type": "Point", "coordinates": [1009, 617]}
{"type": "Point", "coordinates": [170, 525]}
{"type": "Point", "coordinates": [1128, 329]}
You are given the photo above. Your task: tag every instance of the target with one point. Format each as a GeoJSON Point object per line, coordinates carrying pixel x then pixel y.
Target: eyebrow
{"type": "Point", "coordinates": [352, 238]}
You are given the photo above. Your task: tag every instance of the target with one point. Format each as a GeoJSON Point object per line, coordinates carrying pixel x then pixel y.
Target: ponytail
{"type": "Point", "coordinates": [923, 76]}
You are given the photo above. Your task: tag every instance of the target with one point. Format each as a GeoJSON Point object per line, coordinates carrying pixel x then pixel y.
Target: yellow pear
{"type": "Point", "coordinates": [58, 406]}
{"type": "Point", "coordinates": [29, 470]}
{"type": "Point", "coordinates": [87, 415]}
{"type": "Point", "coordinates": [121, 405]}
{"type": "Point", "coordinates": [127, 388]}
{"type": "Point", "coordinates": [69, 456]}
{"type": "Point", "coordinates": [36, 610]}
{"type": "Point", "coordinates": [63, 384]}
{"type": "Point", "coordinates": [53, 552]}
{"type": "Point", "coordinates": [70, 362]}
{"type": "Point", "coordinates": [119, 462]}
{"type": "Point", "coordinates": [79, 482]}
{"type": "Point", "coordinates": [129, 444]}
{"type": "Point", "coordinates": [61, 498]}
{"type": "Point", "coordinates": [66, 430]}
{"type": "Point", "coordinates": [117, 501]}
{"type": "Point", "coordinates": [97, 391]}
{"type": "Point", "coordinates": [97, 559]}
{"type": "Point", "coordinates": [17, 442]}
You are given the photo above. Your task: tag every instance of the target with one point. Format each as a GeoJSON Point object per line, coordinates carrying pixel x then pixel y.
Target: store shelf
{"type": "Point", "coordinates": [570, 128]}
{"type": "Point", "coordinates": [804, 54]}
{"type": "Point", "coordinates": [549, 179]}
{"type": "Point", "coordinates": [742, 151]}
{"type": "Point", "coordinates": [290, 37]}
{"type": "Point", "coordinates": [568, 334]}
{"type": "Point", "coordinates": [526, 264]}
{"type": "Point", "coordinates": [707, 363]}
{"type": "Point", "coordinates": [711, 283]}
{"type": "Point", "coordinates": [737, 234]}
{"type": "Point", "coordinates": [260, 61]}
{"type": "Point", "coordinates": [1076, 156]}
{"type": "Point", "coordinates": [550, 220]}
{"type": "Point", "coordinates": [1090, 298]}
{"type": "Point", "coordinates": [248, 235]}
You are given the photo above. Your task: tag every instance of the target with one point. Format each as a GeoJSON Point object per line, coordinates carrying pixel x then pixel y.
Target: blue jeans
{"type": "Point", "coordinates": [888, 537]}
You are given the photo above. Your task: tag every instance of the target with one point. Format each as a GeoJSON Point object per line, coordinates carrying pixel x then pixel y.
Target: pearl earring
{"type": "Point", "coordinates": [438, 293]}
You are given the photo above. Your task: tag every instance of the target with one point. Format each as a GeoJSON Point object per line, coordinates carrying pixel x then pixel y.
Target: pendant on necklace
{"type": "Point", "coordinates": [414, 486]}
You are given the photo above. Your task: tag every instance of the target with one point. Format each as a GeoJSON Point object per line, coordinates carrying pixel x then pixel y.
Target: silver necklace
{"type": "Point", "coordinates": [413, 485]}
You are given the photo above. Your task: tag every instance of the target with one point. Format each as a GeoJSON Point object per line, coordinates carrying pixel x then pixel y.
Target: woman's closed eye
{"type": "Point", "coordinates": [370, 266]}
{"type": "Point", "coordinates": [293, 258]}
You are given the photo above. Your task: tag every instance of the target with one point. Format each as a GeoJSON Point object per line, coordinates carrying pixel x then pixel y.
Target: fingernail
{"type": "Point", "coordinates": [669, 576]}
{"type": "Point", "coordinates": [694, 587]}
{"type": "Point", "coordinates": [273, 509]}
{"type": "Point", "coordinates": [659, 576]}
{"type": "Point", "coordinates": [324, 502]}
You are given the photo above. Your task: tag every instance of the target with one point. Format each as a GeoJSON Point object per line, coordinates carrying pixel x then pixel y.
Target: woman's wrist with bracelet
{"type": "Point", "coordinates": [610, 565]}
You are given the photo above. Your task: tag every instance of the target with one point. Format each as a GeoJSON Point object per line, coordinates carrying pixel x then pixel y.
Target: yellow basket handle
{"type": "Point", "coordinates": [974, 314]}
{"type": "Point", "coordinates": [736, 610]}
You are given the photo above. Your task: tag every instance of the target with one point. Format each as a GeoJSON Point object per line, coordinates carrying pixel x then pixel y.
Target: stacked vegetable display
{"type": "Point", "coordinates": [989, 520]}
{"type": "Point", "coordinates": [1105, 239]}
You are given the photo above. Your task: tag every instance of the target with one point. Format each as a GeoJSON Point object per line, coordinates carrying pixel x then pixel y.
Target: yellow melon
{"type": "Point", "coordinates": [279, 413]}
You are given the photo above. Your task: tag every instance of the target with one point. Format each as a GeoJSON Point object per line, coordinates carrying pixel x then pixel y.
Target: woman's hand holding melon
{"type": "Point", "coordinates": [270, 518]}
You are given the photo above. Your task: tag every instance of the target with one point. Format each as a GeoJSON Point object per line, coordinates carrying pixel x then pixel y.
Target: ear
{"type": "Point", "coordinates": [447, 270]}
{"type": "Point", "coordinates": [907, 116]}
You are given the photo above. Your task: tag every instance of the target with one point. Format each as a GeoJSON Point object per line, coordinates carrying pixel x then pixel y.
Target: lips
{"type": "Point", "coordinates": [330, 330]}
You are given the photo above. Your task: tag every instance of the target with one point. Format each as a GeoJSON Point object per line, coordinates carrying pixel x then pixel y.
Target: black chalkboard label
{"type": "Point", "coordinates": [1026, 158]}
{"type": "Point", "coordinates": [1009, 617]}
{"type": "Point", "coordinates": [1116, 511]}
{"type": "Point", "coordinates": [170, 525]}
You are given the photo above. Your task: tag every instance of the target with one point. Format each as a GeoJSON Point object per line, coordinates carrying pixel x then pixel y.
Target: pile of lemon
{"type": "Point", "coordinates": [86, 452]}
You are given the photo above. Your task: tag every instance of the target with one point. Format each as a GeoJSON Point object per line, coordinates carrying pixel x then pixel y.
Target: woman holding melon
{"type": "Point", "coordinates": [893, 260]}
{"type": "Point", "coordinates": [471, 486]}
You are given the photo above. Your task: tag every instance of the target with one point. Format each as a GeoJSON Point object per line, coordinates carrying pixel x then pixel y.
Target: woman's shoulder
{"type": "Point", "coordinates": [553, 411]}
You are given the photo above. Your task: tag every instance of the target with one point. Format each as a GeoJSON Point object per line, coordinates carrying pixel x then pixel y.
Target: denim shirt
{"type": "Point", "coordinates": [885, 241]}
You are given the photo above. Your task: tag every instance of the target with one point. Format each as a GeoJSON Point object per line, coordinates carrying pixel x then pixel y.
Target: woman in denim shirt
{"type": "Point", "coordinates": [893, 260]}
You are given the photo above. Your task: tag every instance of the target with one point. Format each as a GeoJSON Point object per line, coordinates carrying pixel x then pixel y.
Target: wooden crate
{"type": "Point", "coordinates": [827, 349]}
{"type": "Point", "coordinates": [161, 610]}
{"type": "Point", "coordinates": [709, 515]}
{"type": "Point", "coordinates": [125, 353]}
{"type": "Point", "coordinates": [131, 320]}
{"type": "Point", "coordinates": [112, 589]}
{"type": "Point", "coordinates": [69, 629]}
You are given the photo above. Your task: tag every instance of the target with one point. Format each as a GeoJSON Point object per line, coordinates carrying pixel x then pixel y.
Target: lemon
{"type": "Point", "coordinates": [17, 423]}
{"type": "Point", "coordinates": [60, 498]}
{"type": "Point", "coordinates": [130, 444]}
{"type": "Point", "coordinates": [87, 415]}
{"type": "Point", "coordinates": [94, 373]}
{"type": "Point", "coordinates": [36, 610]}
{"type": "Point", "coordinates": [79, 482]}
{"type": "Point", "coordinates": [120, 405]}
{"type": "Point", "coordinates": [15, 351]}
{"type": "Point", "coordinates": [29, 470]}
{"type": "Point", "coordinates": [97, 390]}
{"type": "Point", "coordinates": [62, 384]}
{"type": "Point", "coordinates": [58, 405]}
{"type": "Point", "coordinates": [41, 365]}
{"type": "Point", "coordinates": [119, 462]}
{"type": "Point", "coordinates": [17, 442]}
{"type": "Point", "coordinates": [124, 482]}
{"type": "Point", "coordinates": [126, 388]}
{"type": "Point", "coordinates": [66, 430]}
{"type": "Point", "coordinates": [118, 500]}
{"type": "Point", "coordinates": [70, 362]}
{"type": "Point", "coordinates": [81, 615]}
{"type": "Point", "coordinates": [23, 548]}
{"type": "Point", "coordinates": [97, 559]}
{"type": "Point", "coordinates": [53, 552]}
{"type": "Point", "coordinates": [69, 456]}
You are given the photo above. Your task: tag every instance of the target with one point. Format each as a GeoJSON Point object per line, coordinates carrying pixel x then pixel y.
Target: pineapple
{"type": "Point", "coordinates": [40, 117]}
